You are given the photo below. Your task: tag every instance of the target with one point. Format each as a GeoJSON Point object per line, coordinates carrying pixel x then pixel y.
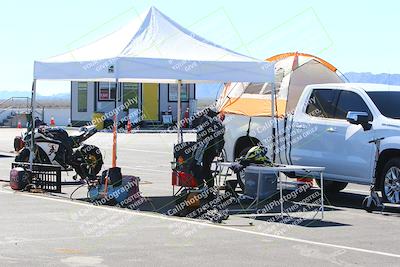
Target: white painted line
{"type": "Point", "coordinates": [195, 222]}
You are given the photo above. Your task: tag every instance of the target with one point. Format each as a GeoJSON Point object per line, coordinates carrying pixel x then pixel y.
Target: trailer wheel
{"type": "Point", "coordinates": [332, 187]}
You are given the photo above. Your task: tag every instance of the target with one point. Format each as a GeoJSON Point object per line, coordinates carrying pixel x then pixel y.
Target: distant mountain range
{"type": "Point", "coordinates": [367, 77]}
{"type": "Point", "coordinates": [210, 91]}
{"type": "Point", "coordinates": [204, 91]}
{"type": "Point", "coordinates": [8, 94]}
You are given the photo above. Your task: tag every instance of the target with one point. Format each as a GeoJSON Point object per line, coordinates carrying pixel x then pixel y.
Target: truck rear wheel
{"type": "Point", "coordinates": [390, 181]}
{"type": "Point", "coordinates": [332, 187]}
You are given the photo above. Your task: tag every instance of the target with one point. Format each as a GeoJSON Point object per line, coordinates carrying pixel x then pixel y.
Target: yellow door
{"type": "Point", "coordinates": [150, 101]}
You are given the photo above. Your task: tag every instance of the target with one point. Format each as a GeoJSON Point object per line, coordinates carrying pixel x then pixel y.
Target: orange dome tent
{"type": "Point", "coordinates": [293, 72]}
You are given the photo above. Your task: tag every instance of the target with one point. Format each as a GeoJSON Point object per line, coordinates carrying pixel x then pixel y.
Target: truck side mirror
{"type": "Point", "coordinates": [361, 118]}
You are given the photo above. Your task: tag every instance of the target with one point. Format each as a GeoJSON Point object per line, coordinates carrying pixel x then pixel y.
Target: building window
{"type": "Point", "coordinates": [173, 92]}
{"type": "Point", "coordinates": [107, 91]}
{"type": "Point", "coordinates": [130, 95]}
{"type": "Point", "coordinates": [82, 96]}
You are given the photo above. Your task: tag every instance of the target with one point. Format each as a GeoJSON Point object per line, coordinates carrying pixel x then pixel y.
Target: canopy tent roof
{"type": "Point", "coordinates": [153, 47]}
{"type": "Point", "coordinates": [293, 72]}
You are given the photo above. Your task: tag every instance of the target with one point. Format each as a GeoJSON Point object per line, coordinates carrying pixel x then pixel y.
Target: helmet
{"type": "Point", "coordinates": [257, 154]}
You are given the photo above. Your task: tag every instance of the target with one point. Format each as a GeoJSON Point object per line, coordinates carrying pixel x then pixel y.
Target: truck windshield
{"type": "Point", "coordinates": [387, 102]}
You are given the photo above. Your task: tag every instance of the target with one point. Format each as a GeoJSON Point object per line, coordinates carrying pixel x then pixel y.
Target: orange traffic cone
{"type": "Point", "coordinates": [129, 126]}
{"type": "Point", "coordinates": [52, 122]}
{"type": "Point", "coordinates": [19, 126]}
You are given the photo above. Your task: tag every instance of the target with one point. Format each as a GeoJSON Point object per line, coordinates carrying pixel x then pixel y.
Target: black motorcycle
{"type": "Point", "coordinates": [53, 145]}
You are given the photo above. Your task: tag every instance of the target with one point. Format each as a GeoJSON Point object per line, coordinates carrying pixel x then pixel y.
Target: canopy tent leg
{"type": "Point", "coordinates": [33, 104]}
{"type": "Point", "coordinates": [114, 149]}
{"type": "Point", "coordinates": [115, 127]}
{"type": "Point", "coordinates": [273, 122]}
{"type": "Point", "coordinates": [178, 117]}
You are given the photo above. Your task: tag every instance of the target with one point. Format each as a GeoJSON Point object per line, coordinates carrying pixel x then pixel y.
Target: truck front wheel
{"type": "Point", "coordinates": [390, 181]}
{"type": "Point", "coordinates": [332, 187]}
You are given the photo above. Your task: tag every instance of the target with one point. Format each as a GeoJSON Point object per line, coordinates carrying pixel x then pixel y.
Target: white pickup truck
{"type": "Point", "coordinates": [333, 126]}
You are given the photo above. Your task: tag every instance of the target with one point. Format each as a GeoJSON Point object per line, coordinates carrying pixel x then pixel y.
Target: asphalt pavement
{"type": "Point", "coordinates": [53, 230]}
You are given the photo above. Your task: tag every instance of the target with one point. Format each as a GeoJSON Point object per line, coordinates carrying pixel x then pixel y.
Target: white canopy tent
{"type": "Point", "coordinates": [153, 48]}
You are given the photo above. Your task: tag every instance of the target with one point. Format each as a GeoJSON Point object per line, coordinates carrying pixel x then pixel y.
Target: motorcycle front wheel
{"type": "Point", "coordinates": [90, 161]}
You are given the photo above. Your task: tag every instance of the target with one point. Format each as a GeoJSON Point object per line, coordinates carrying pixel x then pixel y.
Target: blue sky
{"type": "Point", "coordinates": [352, 35]}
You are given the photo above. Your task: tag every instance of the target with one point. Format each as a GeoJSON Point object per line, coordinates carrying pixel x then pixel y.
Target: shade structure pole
{"type": "Point", "coordinates": [178, 124]}
{"type": "Point", "coordinates": [114, 148]}
{"type": "Point", "coordinates": [33, 104]}
{"type": "Point", "coordinates": [115, 127]}
{"type": "Point", "coordinates": [273, 121]}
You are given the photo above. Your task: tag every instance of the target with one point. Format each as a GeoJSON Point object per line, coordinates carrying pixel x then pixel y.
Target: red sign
{"type": "Point", "coordinates": [104, 94]}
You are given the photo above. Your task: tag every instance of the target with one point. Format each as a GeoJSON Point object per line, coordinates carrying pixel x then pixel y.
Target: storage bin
{"type": "Point", "coordinates": [268, 183]}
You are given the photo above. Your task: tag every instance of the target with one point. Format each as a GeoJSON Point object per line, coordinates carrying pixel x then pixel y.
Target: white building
{"type": "Point", "coordinates": [150, 99]}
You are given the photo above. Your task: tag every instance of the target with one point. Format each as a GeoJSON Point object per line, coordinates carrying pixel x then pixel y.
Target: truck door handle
{"type": "Point", "coordinates": [331, 130]}
{"type": "Point", "coordinates": [299, 126]}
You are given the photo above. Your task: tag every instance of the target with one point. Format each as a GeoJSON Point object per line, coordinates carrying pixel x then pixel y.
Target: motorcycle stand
{"type": "Point", "coordinates": [373, 201]}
